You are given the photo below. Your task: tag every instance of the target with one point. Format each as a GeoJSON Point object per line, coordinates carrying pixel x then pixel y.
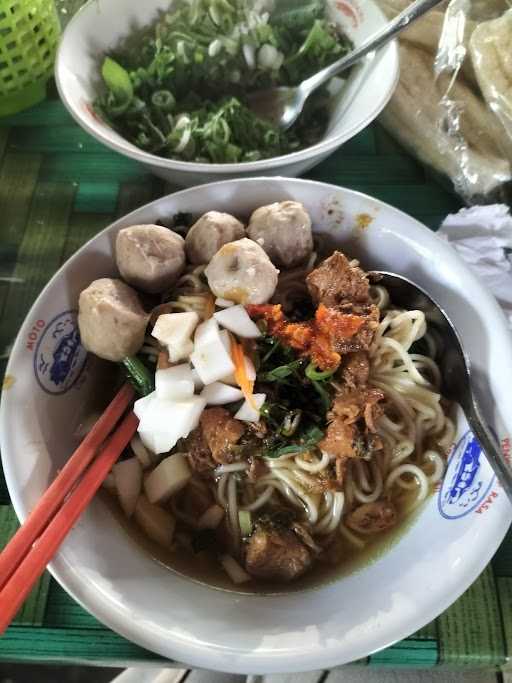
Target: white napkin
{"type": "Point", "coordinates": [481, 235]}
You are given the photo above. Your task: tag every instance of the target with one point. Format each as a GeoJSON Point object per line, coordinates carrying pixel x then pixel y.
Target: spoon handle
{"type": "Point", "coordinates": [389, 31]}
{"type": "Point", "coordinates": [490, 447]}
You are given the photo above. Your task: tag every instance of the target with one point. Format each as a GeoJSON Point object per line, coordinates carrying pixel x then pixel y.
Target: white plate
{"type": "Point", "coordinates": [101, 24]}
{"type": "Point", "coordinates": [100, 566]}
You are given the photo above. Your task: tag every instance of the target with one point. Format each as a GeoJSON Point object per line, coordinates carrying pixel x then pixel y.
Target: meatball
{"type": "Point", "coordinates": [111, 319]}
{"type": "Point", "coordinates": [209, 233]}
{"type": "Point", "coordinates": [150, 257]}
{"type": "Point", "coordinates": [241, 271]}
{"type": "Point", "coordinates": [283, 230]}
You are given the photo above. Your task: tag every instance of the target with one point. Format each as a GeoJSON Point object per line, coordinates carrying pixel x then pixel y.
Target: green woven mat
{"type": "Point", "coordinates": [58, 187]}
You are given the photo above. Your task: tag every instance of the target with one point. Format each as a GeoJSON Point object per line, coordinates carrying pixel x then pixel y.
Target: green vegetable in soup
{"type": "Point", "coordinates": [245, 521]}
{"type": "Point", "coordinates": [310, 439]}
{"type": "Point", "coordinates": [316, 375]}
{"type": "Point", "coordinates": [282, 371]}
{"type": "Point", "coordinates": [138, 375]}
{"type": "Point", "coordinates": [298, 398]}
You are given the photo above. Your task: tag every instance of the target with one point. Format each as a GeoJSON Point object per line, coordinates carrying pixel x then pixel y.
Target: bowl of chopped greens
{"type": "Point", "coordinates": [166, 82]}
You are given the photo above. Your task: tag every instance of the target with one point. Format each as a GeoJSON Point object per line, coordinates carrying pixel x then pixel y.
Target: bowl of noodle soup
{"type": "Point", "coordinates": [395, 525]}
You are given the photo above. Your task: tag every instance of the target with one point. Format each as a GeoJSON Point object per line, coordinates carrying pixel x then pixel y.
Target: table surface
{"type": "Point", "coordinates": [58, 188]}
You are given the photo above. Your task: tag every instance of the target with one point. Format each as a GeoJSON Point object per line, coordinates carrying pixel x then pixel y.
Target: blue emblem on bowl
{"type": "Point", "coordinates": [467, 481]}
{"type": "Point", "coordinates": [59, 357]}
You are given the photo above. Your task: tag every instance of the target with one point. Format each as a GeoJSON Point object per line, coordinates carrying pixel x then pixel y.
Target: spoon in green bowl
{"type": "Point", "coordinates": [282, 106]}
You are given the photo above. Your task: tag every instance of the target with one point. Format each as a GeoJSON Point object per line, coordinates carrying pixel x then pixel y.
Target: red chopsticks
{"type": "Point", "coordinates": [24, 559]}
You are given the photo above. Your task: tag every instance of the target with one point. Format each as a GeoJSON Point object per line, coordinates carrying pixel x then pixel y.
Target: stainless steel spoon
{"type": "Point", "coordinates": [455, 368]}
{"type": "Point", "coordinates": [282, 106]}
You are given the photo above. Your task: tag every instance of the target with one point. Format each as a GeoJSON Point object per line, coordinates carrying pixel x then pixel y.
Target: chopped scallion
{"type": "Point", "coordinates": [245, 521]}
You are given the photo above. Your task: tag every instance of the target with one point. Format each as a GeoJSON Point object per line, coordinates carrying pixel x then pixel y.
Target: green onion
{"type": "Point", "coordinates": [163, 100]}
{"type": "Point", "coordinates": [313, 436]}
{"type": "Point", "coordinates": [274, 343]}
{"type": "Point", "coordinates": [266, 412]}
{"type": "Point", "coordinates": [324, 396]}
{"type": "Point", "coordinates": [291, 422]}
{"type": "Point", "coordinates": [245, 521]}
{"type": "Point", "coordinates": [316, 375]}
{"type": "Point", "coordinates": [310, 438]}
{"type": "Point", "coordinates": [281, 372]}
{"type": "Point", "coordinates": [138, 374]}
{"type": "Point", "coordinates": [295, 15]}
{"type": "Point", "coordinates": [192, 61]}
{"type": "Point", "coordinates": [117, 80]}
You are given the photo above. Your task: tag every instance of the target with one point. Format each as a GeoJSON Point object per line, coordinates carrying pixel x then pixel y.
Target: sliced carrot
{"type": "Point", "coordinates": [246, 385]}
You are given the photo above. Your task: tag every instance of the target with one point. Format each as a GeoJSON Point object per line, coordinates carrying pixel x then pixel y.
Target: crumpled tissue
{"type": "Point", "coordinates": [482, 236]}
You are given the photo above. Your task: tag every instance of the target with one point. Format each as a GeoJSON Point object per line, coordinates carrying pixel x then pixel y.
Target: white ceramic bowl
{"type": "Point", "coordinates": [442, 553]}
{"type": "Point", "coordinates": [101, 24]}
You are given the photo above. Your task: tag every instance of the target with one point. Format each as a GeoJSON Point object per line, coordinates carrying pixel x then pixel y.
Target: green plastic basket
{"type": "Point", "coordinates": [29, 32]}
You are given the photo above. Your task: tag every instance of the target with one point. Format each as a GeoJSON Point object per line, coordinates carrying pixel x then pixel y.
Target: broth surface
{"type": "Point", "coordinates": [204, 567]}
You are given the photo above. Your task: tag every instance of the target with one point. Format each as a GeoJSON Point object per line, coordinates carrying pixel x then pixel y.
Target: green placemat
{"type": "Point", "coordinates": [32, 612]}
{"type": "Point", "coordinates": [58, 187]}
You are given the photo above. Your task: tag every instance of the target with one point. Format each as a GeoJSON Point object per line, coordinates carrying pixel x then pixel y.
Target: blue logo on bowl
{"type": "Point", "coordinates": [467, 481]}
{"type": "Point", "coordinates": [59, 357]}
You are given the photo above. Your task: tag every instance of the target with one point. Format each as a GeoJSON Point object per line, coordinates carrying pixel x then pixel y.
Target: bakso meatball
{"type": "Point", "coordinates": [241, 271]}
{"type": "Point", "coordinates": [283, 230]}
{"type": "Point", "coordinates": [111, 319]}
{"type": "Point", "coordinates": [150, 257]}
{"type": "Point", "coordinates": [209, 233]}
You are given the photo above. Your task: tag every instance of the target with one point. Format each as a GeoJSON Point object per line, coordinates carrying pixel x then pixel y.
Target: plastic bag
{"type": "Point", "coordinates": [453, 104]}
